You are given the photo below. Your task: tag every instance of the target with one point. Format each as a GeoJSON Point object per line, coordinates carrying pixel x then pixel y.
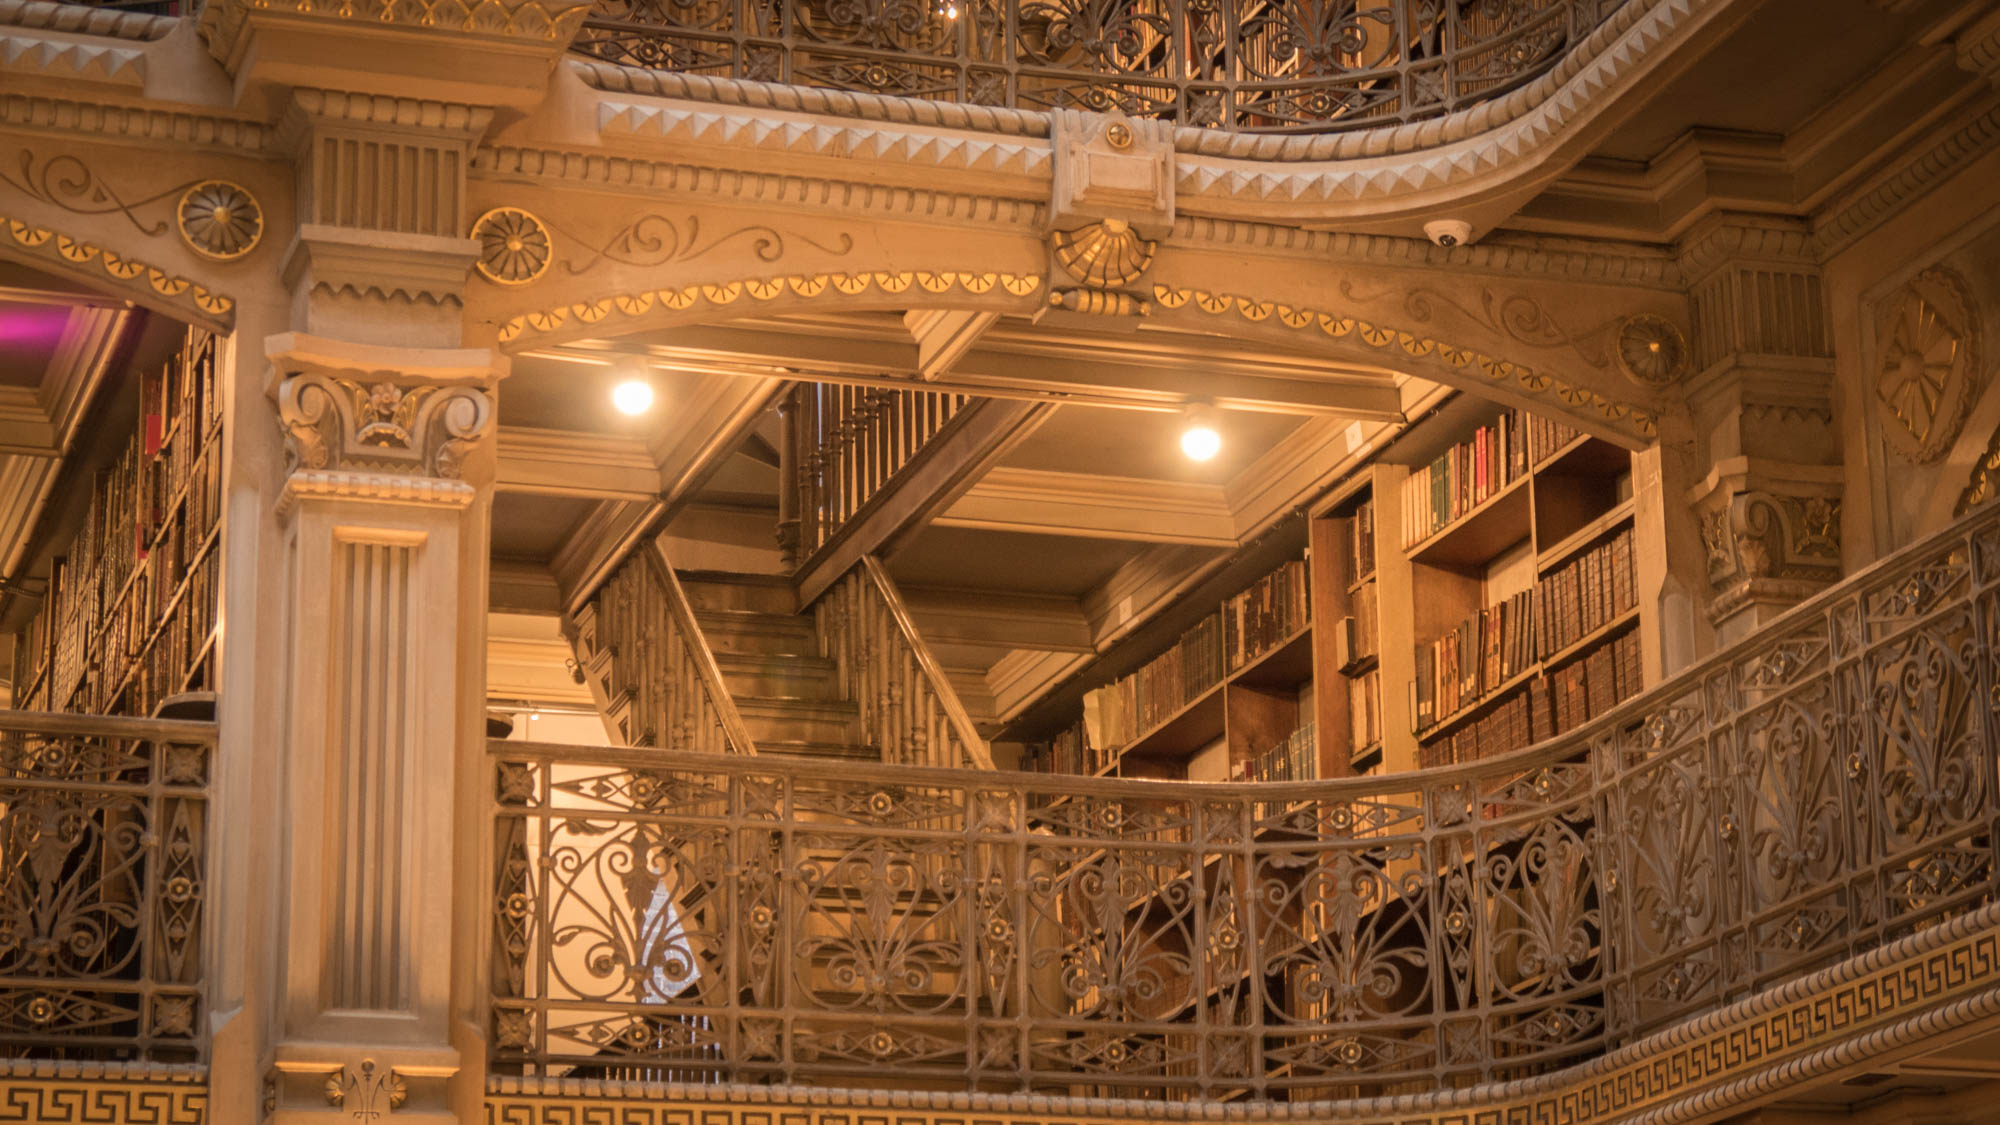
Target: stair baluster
{"type": "Point", "coordinates": [908, 707]}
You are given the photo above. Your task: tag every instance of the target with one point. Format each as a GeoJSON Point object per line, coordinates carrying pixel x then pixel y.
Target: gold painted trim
{"type": "Point", "coordinates": [208, 215]}
{"type": "Point", "coordinates": [504, 250]}
{"type": "Point", "coordinates": [723, 294]}
{"type": "Point", "coordinates": [127, 271]}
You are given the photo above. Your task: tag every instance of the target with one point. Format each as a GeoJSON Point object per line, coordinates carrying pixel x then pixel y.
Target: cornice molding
{"type": "Point", "coordinates": [767, 189]}
{"type": "Point", "coordinates": [175, 127]}
{"type": "Point", "coordinates": [84, 19]}
{"type": "Point", "coordinates": [1513, 254]}
{"type": "Point", "coordinates": [1889, 1001]}
{"type": "Point", "coordinates": [222, 23]}
{"type": "Point", "coordinates": [1347, 169]}
{"type": "Point", "coordinates": [683, 126]}
{"type": "Point", "coordinates": [1726, 237]}
{"type": "Point", "coordinates": [1839, 225]}
{"type": "Point", "coordinates": [422, 114]}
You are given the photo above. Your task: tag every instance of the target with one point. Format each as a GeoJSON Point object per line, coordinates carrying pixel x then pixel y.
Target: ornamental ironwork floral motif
{"type": "Point", "coordinates": [103, 858]}
{"type": "Point", "coordinates": [1293, 66]}
{"type": "Point", "coordinates": [1824, 787]}
{"type": "Point", "coordinates": [220, 220]}
{"type": "Point", "coordinates": [1927, 374]}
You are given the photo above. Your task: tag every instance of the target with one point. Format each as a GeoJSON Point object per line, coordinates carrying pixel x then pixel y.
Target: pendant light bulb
{"type": "Point", "coordinates": [633, 393]}
{"type": "Point", "coordinates": [1201, 439]}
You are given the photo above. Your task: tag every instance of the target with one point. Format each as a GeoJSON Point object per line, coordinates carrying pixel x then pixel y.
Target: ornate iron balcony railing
{"type": "Point", "coordinates": [103, 861]}
{"type": "Point", "coordinates": [1271, 66]}
{"type": "Point", "coordinates": [1797, 799]}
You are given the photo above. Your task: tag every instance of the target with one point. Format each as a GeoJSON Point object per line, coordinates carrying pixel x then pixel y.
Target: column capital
{"type": "Point", "coordinates": [396, 425]}
{"type": "Point", "coordinates": [1771, 531]}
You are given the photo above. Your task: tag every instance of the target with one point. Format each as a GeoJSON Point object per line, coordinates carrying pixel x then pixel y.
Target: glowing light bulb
{"type": "Point", "coordinates": [1200, 439]}
{"type": "Point", "coordinates": [634, 396]}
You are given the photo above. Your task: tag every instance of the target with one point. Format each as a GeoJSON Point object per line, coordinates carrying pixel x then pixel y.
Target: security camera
{"type": "Point", "coordinates": [1448, 232]}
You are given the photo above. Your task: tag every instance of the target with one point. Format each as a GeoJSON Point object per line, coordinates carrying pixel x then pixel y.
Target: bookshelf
{"type": "Point", "coordinates": [129, 616]}
{"type": "Point", "coordinates": [1223, 698]}
{"type": "Point", "coordinates": [1519, 536]}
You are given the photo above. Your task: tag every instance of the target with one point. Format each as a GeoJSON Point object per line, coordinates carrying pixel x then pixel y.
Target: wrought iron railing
{"type": "Point", "coordinates": [1248, 65]}
{"type": "Point", "coordinates": [650, 670]}
{"type": "Point", "coordinates": [848, 444]}
{"type": "Point", "coordinates": [1799, 798]}
{"type": "Point", "coordinates": [908, 707]}
{"type": "Point", "coordinates": [103, 875]}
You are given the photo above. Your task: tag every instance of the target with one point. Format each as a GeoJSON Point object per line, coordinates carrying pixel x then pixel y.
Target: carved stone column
{"type": "Point", "coordinates": [1761, 402]}
{"type": "Point", "coordinates": [389, 468]}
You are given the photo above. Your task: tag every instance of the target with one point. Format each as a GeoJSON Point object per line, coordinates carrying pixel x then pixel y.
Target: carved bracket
{"type": "Point", "coordinates": [1111, 167]}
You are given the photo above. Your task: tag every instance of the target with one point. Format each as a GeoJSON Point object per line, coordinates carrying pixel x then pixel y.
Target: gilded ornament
{"type": "Point", "coordinates": [220, 220]}
{"type": "Point", "coordinates": [1928, 366]}
{"type": "Point", "coordinates": [1103, 254]}
{"type": "Point", "coordinates": [514, 247]}
{"type": "Point", "coordinates": [1118, 135]}
{"type": "Point", "coordinates": [1652, 350]}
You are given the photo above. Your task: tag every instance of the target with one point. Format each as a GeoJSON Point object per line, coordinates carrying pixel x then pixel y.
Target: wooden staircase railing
{"type": "Point", "coordinates": [908, 706]}
{"type": "Point", "coordinates": [649, 668]}
{"type": "Point", "coordinates": [844, 444]}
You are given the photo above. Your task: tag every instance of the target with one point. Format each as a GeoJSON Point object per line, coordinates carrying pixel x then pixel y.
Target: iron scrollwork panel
{"type": "Point", "coordinates": [103, 857]}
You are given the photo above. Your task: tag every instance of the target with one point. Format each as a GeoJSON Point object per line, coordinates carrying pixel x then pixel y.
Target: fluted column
{"type": "Point", "coordinates": [383, 507]}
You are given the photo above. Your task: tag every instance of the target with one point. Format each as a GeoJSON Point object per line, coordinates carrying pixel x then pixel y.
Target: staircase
{"type": "Point", "coordinates": [788, 694]}
{"type": "Point", "coordinates": [726, 663]}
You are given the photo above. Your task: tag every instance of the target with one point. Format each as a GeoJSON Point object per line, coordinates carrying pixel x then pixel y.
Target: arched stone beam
{"type": "Point", "coordinates": [1427, 344]}
{"type": "Point", "coordinates": [178, 234]}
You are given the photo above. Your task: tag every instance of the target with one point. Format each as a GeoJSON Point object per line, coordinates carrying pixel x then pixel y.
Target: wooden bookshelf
{"type": "Point", "coordinates": [1523, 588]}
{"type": "Point", "coordinates": [130, 614]}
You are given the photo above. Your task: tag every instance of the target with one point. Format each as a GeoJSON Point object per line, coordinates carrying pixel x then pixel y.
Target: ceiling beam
{"type": "Point", "coordinates": [575, 463]}
{"type": "Point", "coordinates": [24, 426]}
{"type": "Point", "coordinates": [1092, 371]}
{"type": "Point", "coordinates": [943, 336]}
{"type": "Point", "coordinates": [995, 620]}
{"type": "Point", "coordinates": [1091, 506]}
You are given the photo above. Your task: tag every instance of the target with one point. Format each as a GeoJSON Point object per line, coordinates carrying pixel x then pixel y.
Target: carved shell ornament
{"type": "Point", "coordinates": [220, 220]}
{"type": "Point", "coordinates": [514, 246]}
{"type": "Point", "coordinates": [1652, 350]}
{"type": "Point", "coordinates": [1103, 254]}
{"type": "Point", "coordinates": [1926, 368]}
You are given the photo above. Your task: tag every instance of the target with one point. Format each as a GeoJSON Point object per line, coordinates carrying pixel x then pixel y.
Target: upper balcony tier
{"type": "Point", "coordinates": [1252, 66]}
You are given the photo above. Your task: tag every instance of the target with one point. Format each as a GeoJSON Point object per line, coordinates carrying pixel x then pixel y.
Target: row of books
{"type": "Point", "coordinates": [1545, 438]}
{"type": "Point", "coordinates": [1501, 641]}
{"type": "Point", "coordinates": [1357, 534]}
{"type": "Point", "coordinates": [1464, 477]}
{"type": "Point", "coordinates": [1070, 751]}
{"type": "Point", "coordinates": [1294, 759]}
{"type": "Point", "coordinates": [1364, 711]}
{"type": "Point", "coordinates": [1586, 593]}
{"type": "Point", "coordinates": [1361, 634]}
{"type": "Point", "coordinates": [1264, 616]}
{"type": "Point", "coordinates": [1546, 706]}
{"type": "Point", "coordinates": [146, 523]}
{"type": "Point", "coordinates": [1481, 653]}
{"type": "Point", "coordinates": [1117, 714]}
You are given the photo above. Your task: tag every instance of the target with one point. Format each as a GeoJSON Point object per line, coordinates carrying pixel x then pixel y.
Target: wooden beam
{"type": "Point", "coordinates": [937, 476]}
{"type": "Point", "coordinates": [1125, 375]}
{"type": "Point", "coordinates": [575, 463]}
{"type": "Point", "coordinates": [522, 587]}
{"type": "Point", "coordinates": [24, 426]}
{"type": "Point", "coordinates": [943, 336]}
{"type": "Point", "coordinates": [1095, 507]}
{"type": "Point", "coordinates": [995, 620]}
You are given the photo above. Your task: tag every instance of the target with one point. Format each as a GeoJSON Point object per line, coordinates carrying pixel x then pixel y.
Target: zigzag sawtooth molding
{"type": "Point", "coordinates": [1471, 142]}
{"type": "Point", "coordinates": [66, 59]}
{"type": "Point", "coordinates": [684, 125]}
{"type": "Point", "coordinates": [200, 304]}
{"type": "Point", "coordinates": [756, 188]}
{"type": "Point", "coordinates": [46, 1092]}
{"type": "Point", "coordinates": [1612, 56]}
{"type": "Point", "coordinates": [85, 19]}
{"type": "Point", "coordinates": [764, 289]}
{"type": "Point", "coordinates": [1891, 999]}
